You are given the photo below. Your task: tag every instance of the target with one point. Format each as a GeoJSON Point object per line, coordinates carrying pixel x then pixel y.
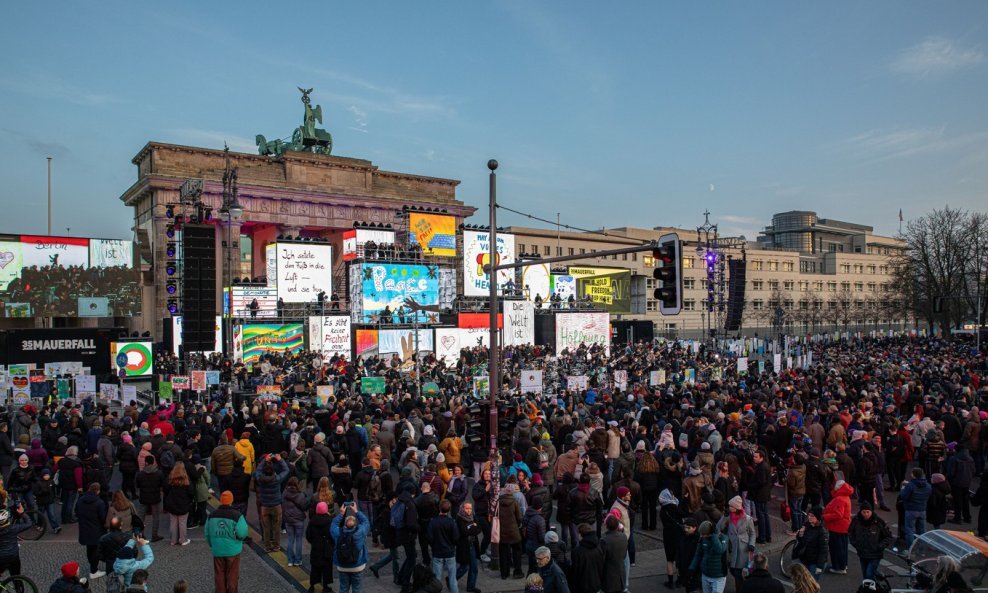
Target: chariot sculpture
{"type": "Point", "coordinates": [305, 138]}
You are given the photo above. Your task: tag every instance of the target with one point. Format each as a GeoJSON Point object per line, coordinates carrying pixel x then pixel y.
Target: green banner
{"type": "Point", "coordinates": [372, 385]}
{"type": "Point", "coordinates": [64, 389]}
{"type": "Point", "coordinates": [165, 391]}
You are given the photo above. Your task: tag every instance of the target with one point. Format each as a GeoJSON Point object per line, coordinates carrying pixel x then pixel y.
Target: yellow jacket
{"type": "Point", "coordinates": [245, 448]}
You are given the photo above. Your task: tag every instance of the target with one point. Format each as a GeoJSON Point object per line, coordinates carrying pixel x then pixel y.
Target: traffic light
{"type": "Point", "coordinates": [669, 273]}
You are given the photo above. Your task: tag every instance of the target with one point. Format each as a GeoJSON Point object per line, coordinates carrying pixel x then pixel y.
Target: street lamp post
{"type": "Point", "coordinates": [494, 376]}
{"type": "Point", "coordinates": [233, 211]}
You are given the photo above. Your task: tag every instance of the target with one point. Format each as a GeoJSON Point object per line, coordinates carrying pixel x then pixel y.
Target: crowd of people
{"type": "Point", "coordinates": [54, 291]}
{"type": "Point", "coordinates": [576, 475]}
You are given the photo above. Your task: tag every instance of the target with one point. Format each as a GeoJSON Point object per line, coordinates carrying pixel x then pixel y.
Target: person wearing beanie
{"type": "Point", "coordinates": [741, 535]}
{"type": "Point", "coordinates": [812, 543]}
{"type": "Point", "coordinates": [939, 501]}
{"type": "Point", "coordinates": [226, 530]}
{"type": "Point", "coordinates": [321, 554]}
{"type": "Point", "coordinates": [708, 560]}
{"type": "Point", "coordinates": [869, 535]}
{"type": "Point", "coordinates": [69, 581]}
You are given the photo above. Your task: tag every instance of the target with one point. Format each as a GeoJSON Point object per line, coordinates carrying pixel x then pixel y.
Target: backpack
{"type": "Point", "coordinates": [543, 460]}
{"type": "Point", "coordinates": [346, 548]}
{"type": "Point", "coordinates": [398, 515]}
{"type": "Point", "coordinates": [375, 491]}
{"type": "Point", "coordinates": [167, 461]}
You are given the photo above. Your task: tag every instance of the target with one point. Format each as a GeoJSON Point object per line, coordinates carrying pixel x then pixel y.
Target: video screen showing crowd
{"type": "Point", "coordinates": [67, 277]}
{"type": "Point", "coordinates": [687, 444]}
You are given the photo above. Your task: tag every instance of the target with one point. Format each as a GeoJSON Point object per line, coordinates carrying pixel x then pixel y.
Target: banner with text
{"type": "Point", "coordinates": [304, 270]}
{"type": "Point", "coordinates": [573, 329]}
{"type": "Point", "coordinates": [330, 335]}
{"type": "Point", "coordinates": [476, 255]}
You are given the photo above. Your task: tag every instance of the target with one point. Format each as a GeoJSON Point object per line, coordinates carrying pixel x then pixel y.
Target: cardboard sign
{"type": "Point", "coordinates": [180, 382]}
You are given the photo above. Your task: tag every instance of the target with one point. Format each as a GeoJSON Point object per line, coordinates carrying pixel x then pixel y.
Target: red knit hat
{"type": "Point", "coordinates": [70, 569]}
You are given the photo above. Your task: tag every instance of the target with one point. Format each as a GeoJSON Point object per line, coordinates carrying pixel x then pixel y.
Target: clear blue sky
{"type": "Point", "coordinates": [623, 113]}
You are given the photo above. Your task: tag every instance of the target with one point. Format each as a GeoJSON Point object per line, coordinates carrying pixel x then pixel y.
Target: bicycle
{"type": "Point", "coordinates": [39, 523]}
{"type": "Point", "coordinates": [18, 584]}
{"type": "Point", "coordinates": [785, 559]}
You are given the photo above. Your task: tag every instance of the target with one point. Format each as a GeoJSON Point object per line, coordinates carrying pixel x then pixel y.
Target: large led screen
{"type": "Point", "coordinates": [608, 288]}
{"type": "Point", "coordinates": [251, 342]}
{"type": "Point", "coordinates": [434, 233]}
{"type": "Point", "coordinates": [477, 254]}
{"type": "Point", "coordinates": [399, 293]}
{"type": "Point", "coordinates": [68, 277]}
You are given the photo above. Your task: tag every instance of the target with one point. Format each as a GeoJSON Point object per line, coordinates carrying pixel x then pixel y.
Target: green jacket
{"type": "Point", "coordinates": [226, 530]}
{"type": "Point", "coordinates": [711, 556]}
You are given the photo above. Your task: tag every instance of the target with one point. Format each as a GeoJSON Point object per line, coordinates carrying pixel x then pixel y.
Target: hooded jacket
{"type": "Point", "coordinates": [269, 484]}
{"type": "Point", "coordinates": [509, 516]}
{"type": "Point", "coordinates": [587, 566]}
{"type": "Point", "coordinates": [837, 513]}
{"type": "Point", "coordinates": [337, 529]}
{"type": "Point", "coordinates": [915, 495]}
{"type": "Point", "coordinates": [126, 567]}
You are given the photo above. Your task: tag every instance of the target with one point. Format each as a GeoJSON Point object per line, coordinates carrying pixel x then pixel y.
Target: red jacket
{"type": "Point", "coordinates": [837, 514]}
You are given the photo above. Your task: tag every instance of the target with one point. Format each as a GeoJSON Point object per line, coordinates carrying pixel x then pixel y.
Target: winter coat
{"type": "Point", "coordinates": [319, 538]}
{"type": "Point", "coordinates": [319, 459]}
{"type": "Point", "coordinates": [938, 504]}
{"type": "Point", "coordinates": [915, 494]}
{"type": "Point", "coordinates": [509, 517]}
{"type": "Point", "coordinates": [584, 505]}
{"type": "Point", "coordinates": [44, 491]}
{"type": "Point", "coordinates": [740, 539]}
{"type": "Point", "coordinates": [870, 538]}
{"type": "Point", "coordinates": [269, 485]}
{"type": "Point", "coordinates": [443, 535]}
{"type": "Point", "coordinates": [470, 532]}
{"type": "Point", "coordinates": [761, 581]}
{"type": "Point", "coordinates": [837, 513]}
{"type": "Point", "coordinates": [796, 481]}
{"type": "Point", "coordinates": [149, 482]}
{"type": "Point", "coordinates": [127, 456]}
{"type": "Point", "coordinates": [246, 449]}
{"type": "Point", "coordinates": [336, 530]}
{"type": "Point", "coordinates": [615, 547]}
{"type": "Point", "coordinates": [534, 527]}
{"type": "Point", "coordinates": [553, 579]}
{"type": "Point", "coordinates": [37, 456]}
{"type": "Point", "coordinates": [126, 517]}
{"type": "Point", "coordinates": [710, 555]}
{"type": "Point", "coordinates": [760, 487]}
{"type": "Point", "coordinates": [91, 512]}
{"type": "Point", "coordinates": [126, 567]}
{"type": "Point", "coordinates": [294, 506]}
{"type": "Point", "coordinates": [225, 531]}
{"type": "Point", "coordinates": [223, 459]}
{"type": "Point", "coordinates": [812, 548]}
{"type": "Point", "coordinates": [587, 568]}
{"type": "Point", "coordinates": [179, 500]}
{"type": "Point", "coordinates": [960, 470]}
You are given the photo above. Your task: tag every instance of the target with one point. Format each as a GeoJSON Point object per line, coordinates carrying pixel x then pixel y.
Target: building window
{"type": "Point", "coordinates": [757, 285]}
{"type": "Point", "coordinates": [650, 283]}
{"type": "Point", "coordinates": [758, 305]}
{"type": "Point", "coordinates": [845, 286]}
{"type": "Point", "coordinates": [832, 286]}
{"type": "Point", "coordinates": [845, 268]}
{"type": "Point", "coordinates": [546, 249]}
{"type": "Point", "coordinates": [858, 287]}
{"type": "Point", "coordinates": [818, 286]}
{"type": "Point", "coordinates": [872, 287]}
{"type": "Point", "coordinates": [571, 251]}
{"type": "Point", "coordinates": [582, 251]}
{"type": "Point", "coordinates": [559, 251]}
{"type": "Point", "coordinates": [688, 262]}
{"type": "Point", "coordinates": [651, 306]}
{"type": "Point", "coordinates": [773, 266]}
{"type": "Point", "coordinates": [871, 269]}
{"type": "Point", "coordinates": [787, 266]}
{"type": "Point", "coordinates": [648, 261]}
{"type": "Point", "coordinates": [804, 286]}
{"type": "Point", "coordinates": [624, 256]}
{"type": "Point", "coordinates": [756, 265]}
{"type": "Point", "coordinates": [689, 283]}
{"type": "Point", "coordinates": [614, 257]}
{"type": "Point", "coordinates": [788, 284]}
{"type": "Point", "coordinates": [521, 248]}
{"type": "Point", "coordinates": [634, 257]}
{"type": "Point", "coordinates": [689, 305]}
{"type": "Point", "coordinates": [808, 267]}
{"type": "Point", "coordinates": [858, 269]}
{"type": "Point", "coordinates": [773, 285]}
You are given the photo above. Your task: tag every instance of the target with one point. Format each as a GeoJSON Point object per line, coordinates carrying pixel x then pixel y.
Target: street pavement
{"type": "Point", "coordinates": [261, 572]}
